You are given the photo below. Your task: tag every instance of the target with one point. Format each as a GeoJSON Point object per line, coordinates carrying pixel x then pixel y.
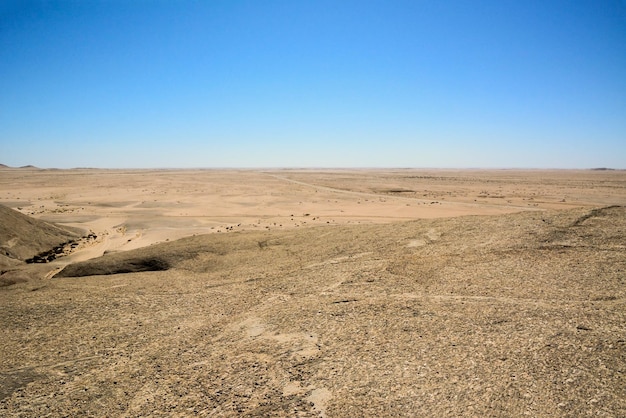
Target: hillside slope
{"type": "Point", "coordinates": [22, 237]}
{"type": "Point", "coordinates": [509, 315]}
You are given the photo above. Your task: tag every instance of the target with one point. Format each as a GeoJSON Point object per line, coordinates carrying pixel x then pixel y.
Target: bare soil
{"type": "Point", "coordinates": [377, 293]}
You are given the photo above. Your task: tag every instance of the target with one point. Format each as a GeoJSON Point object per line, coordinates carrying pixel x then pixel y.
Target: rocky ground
{"type": "Point", "coordinates": [501, 315]}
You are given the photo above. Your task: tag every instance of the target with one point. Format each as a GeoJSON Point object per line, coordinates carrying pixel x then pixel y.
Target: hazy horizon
{"type": "Point", "coordinates": [278, 84]}
{"type": "Point", "coordinates": [314, 168]}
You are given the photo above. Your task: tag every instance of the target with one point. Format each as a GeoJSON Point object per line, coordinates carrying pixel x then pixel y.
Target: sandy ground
{"type": "Point", "coordinates": [135, 208]}
{"type": "Point", "coordinates": [320, 293]}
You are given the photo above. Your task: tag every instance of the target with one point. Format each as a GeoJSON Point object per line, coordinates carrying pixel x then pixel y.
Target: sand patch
{"type": "Point", "coordinates": [416, 243]}
{"type": "Point", "coordinates": [320, 398]}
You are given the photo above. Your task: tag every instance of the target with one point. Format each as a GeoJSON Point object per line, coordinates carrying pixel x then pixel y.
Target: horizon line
{"type": "Point", "coordinates": [33, 167]}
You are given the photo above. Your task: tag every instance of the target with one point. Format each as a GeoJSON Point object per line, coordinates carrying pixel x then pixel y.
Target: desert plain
{"type": "Point", "coordinates": [332, 293]}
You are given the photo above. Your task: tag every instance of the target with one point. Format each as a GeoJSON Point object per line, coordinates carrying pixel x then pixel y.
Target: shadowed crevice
{"type": "Point", "coordinates": [106, 267]}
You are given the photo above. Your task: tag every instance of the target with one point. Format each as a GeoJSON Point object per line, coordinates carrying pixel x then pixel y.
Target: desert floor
{"type": "Point", "coordinates": [315, 293]}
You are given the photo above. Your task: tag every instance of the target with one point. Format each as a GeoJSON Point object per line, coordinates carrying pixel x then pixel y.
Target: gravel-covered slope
{"type": "Point", "coordinates": [476, 316]}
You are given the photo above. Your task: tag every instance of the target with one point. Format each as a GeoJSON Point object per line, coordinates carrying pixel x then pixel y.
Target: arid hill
{"type": "Point", "coordinates": [507, 315]}
{"type": "Point", "coordinates": [22, 237]}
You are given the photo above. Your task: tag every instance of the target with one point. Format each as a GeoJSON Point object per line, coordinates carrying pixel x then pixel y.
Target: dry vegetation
{"type": "Point", "coordinates": [505, 297]}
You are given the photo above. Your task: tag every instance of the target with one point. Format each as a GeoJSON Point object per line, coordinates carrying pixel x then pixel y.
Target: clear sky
{"type": "Point", "coordinates": [297, 83]}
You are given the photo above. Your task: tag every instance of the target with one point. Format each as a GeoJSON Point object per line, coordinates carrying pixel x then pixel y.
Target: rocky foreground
{"type": "Point", "coordinates": [508, 315]}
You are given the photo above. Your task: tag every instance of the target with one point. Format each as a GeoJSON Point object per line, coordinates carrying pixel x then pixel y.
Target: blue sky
{"type": "Point", "coordinates": [119, 84]}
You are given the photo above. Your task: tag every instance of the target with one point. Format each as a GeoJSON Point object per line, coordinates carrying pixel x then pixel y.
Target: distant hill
{"type": "Point", "coordinates": [24, 167]}
{"type": "Point", "coordinates": [22, 237]}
